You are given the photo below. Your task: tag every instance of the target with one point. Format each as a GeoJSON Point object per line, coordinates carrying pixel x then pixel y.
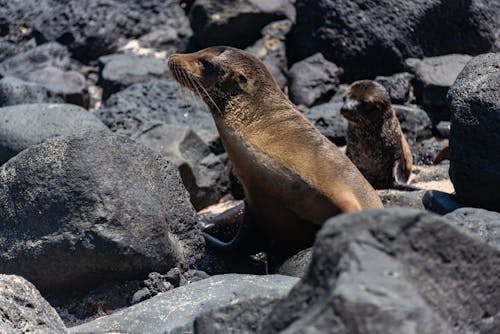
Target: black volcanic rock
{"type": "Point", "coordinates": [398, 86]}
{"type": "Point", "coordinates": [330, 122]}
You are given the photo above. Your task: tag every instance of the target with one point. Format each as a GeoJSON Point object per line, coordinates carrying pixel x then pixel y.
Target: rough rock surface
{"type": "Point", "coordinates": [203, 173]}
{"type": "Point", "coordinates": [313, 80]}
{"type": "Point", "coordinates": [474, 101]}
{"type": "Point", "coordinates": [398, 86]}
{"type": "Point", "coordinates": [393, 271]}
{"type": "Point", "coordinates": [22, 126]}
{"type": "Point", "coordinates": [297, 265]}
{"type": "Point", "coordinates": [482, 223]}
{"type": "Point", "coordinates": [425, 151]}
{"type": "Point", "coordinates": [370, 38]}
{"type": "Point", "coordinates": [415, 123]}
{"type": "Point", "coordinates": [23, 309]}
{"type": "Point", "coordinates": [15, 91]}
{"type": "Point", "coordinates": [175, 310]}
{"type": "Point", "coordinates": [330, 122]}
{"type": "Point", "coordinates": [81, 209]}
{"type": "Point", "coordinates": [235, 22]}
{"type": "Point", "coordinates": [410, 199]}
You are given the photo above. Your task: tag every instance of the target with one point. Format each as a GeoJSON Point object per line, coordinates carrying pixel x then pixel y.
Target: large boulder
{"type": "Point", "coordinates": [398, 86]}
{"type": "Point", "coordinates": [393, 271]}
{"type": "Point", "coordinates": [415, 123]}
{"type": "Point", "coordinates": [23, 309]}
{"type": "Point", "coordinates": [175, 310]}
{"type": "Point", "coordinates": [370, 38]}
{"type": "Point", "coordinates": [16, 91]}
{"type": "Point", "coordinates": [474, 101]}
{"type": "Point", "coordinates": [329, 121]}
{"type": "Point", "coordinates": [22, 126]}
{"type": "Point", "coordinates": [235, 22]}
{"type": "Point", "coordinates": [482, 223]}
{"type": "Point", "coordinates": [82, 209]}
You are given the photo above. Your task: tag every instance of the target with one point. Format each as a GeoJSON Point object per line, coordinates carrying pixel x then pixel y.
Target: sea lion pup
{"type": "Point", "coordinates": [375, 142]}
{"type": "Point", "coordinates": [293, 177]}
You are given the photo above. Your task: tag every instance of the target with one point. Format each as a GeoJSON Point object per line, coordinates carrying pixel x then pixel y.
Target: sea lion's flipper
{"type": "Point", "coordinates": [400, 178]}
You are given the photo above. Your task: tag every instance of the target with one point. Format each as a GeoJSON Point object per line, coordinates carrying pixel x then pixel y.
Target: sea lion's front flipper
{"type": "Point", "coordinates": [400, 178]}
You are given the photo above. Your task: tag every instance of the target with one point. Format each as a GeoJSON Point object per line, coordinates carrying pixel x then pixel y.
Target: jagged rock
{"type": "Point", "coordinates": [23, 126]}
{"type": "Point", "coordinates": [374, 38]}
{"type": "Point", "coordinates": [415, 123]}
{"type": "Point", "coordinates": [15, 91]}
{"type": "Point", "coordinates": [78, 210]}
{"type": "Point", "coordinates": [235, 22]}
{"type": "Point", "coordinates": [474, 101]}
{"type": "Point", "coordinates": [327, 118]}
{"type": "Point", "coordinates": [23, 309]}
{"type": "Point", "coordinates": [482, 223]}
{"type": "Point", "coordinates": [393, 271]}
{"type": "Point", "coordinates": [203, 173]}
{"type": "Point", "coordinates": [175, 310]}
{"type": "Point", "coordinates": [433, 78]}
{"type": "Point", "coordinates": [313, 80]}
{"type": "Point", "coordinates": [398, 86]}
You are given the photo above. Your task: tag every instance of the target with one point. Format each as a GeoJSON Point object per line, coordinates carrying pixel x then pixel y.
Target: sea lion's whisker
{"type": "Point", "coordinates": [210, 97]}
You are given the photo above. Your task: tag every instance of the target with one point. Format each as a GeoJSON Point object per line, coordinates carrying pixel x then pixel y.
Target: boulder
{"type": "Point", "coordinates": [175, 310]}
{"type": "Point", "coordinates": [203, 173]}
{"type": "Point", "coordinates": [297, 265]}
{"type": "Point", "coordinates": [403, 198]}
{"type": "Point", "coordinates": [16, 91]}
{"type": "Point", "coordinates": [393, 271]}
{"type": "Point", "coordinates": [415, 123]}
{"type": "Point", "coordinates": [83, 209]}
{"type": "Point", "coordinates": [330, 122]}
{"type": "Point", "coordinates": [374, 38]}
{"type": "Point", "coordinates": [23, 309]}
{"type": "Point", "coordinates": [23, 126]}
{"type": "Point", "coordinates": [433, 78]}
{"type": "Point", "coordinates": [474, 102]}
{"type": "Point", "coordinates": [313, 80]}
{"type": "Point", "coordinates": [398, 86]}
{"type": "Point", "coordinates": [440, 202]}
{"type": "Point", "coordinates": [482, 223]}
{"type": "Point", "coordinates": [119, 71]}
{"type": "Point", "coordinates": [141, 106]}
{"type": "Point", "coordinates": [235, 22]}
{"type": "Point", "coordinates": [443, 129]}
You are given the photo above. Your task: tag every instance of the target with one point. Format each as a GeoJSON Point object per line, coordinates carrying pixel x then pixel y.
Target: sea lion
{"type": "Point", "coordinates": [293, 177]}
{"type": "Point", "coordinates": [375, 141]}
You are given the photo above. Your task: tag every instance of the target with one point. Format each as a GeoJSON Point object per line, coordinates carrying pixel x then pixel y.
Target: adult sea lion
{"type": "Point", "coordinates": [293, 177]}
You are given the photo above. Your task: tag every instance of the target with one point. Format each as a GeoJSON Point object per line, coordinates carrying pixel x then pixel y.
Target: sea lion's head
{"type": "Point", "coordinates": [366, 103]}
{"type": "Point", "coordinates": [228, 80]}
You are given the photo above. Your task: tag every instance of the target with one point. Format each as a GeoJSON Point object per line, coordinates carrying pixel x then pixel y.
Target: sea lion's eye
{"type": "Point", "coordinates": [242, 78]}
{"type": "Point", "coordinates": [207, 66]}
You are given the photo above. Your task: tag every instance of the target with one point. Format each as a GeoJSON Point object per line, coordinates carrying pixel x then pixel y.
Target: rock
{"type": "Point", "coordinates": [425, 151]}
{"type": "Point", "coordinates": [327, 118]}
{"type": "Point", "coordinates": [175, 310]}
{"type": "Point", "coordinates": [237, 22]}
{"type": "Point", "coordinates": [68, 23]}
{"type": "Point", "coordinates": [393, 271]}
{"type": "Point", "coordinates": [78, 210]}
{"type": "Point", "coordinates": [166, 40]}
{"type": "Point", "coordinates": [241, 317]}
{"type": "Point", "coordinates": [23, 126]}
{"type": "Point", "coordinates": [474, 138]}
{"type": "Point", "coordinates": [297, 265]}
{"type": "Point", "coordinates": [71, 85]}
{"type": "Point", "coordinates": [119, 71]}
{"type": "Point", "coordinates": [371, 39]}
{"type": "Point", "coordinates": [440, 202]}
{"type": "Point", "coordinates": [271, 49]}
{"type": "Point", "coordinates": [313, 80]}
{"type": "Point", "coordinates": [23, 309]}
{"type": "Point", "coordinates": [21, 65]}
{"type": "Point", "coordinates": [203, 173]}
{"type": "Point", "coordinates": [409, 199]}
{"type": "Point", "coordinates": [15, 91]}
{"type": "Point", "coordinates": [433, 77]}
{"type": "Point", "coordinates": [482, 223]}
{"type": "Point", "coordinates": [398, 86]}
{"type": "Point", "coordinates": [415, 123]}
{"type": "Point", "coordinates": [141, 106]}
{"type": "Point", "coordinates": [443, 129]}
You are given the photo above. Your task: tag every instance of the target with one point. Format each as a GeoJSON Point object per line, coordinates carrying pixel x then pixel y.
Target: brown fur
{"type": "Point", "coordinates": [293, 177]}
{"type": "Point", "coordinates": [375, 142]}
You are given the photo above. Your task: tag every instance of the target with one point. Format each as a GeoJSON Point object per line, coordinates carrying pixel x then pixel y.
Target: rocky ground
{"type": "Point", "coordinates": [107, 165]}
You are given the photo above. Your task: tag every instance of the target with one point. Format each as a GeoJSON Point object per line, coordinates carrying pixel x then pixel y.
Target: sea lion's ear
{"type": "Point", "coordinates": [244, 82]}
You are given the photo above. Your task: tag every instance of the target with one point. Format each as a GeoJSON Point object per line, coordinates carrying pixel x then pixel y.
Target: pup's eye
{"type": "Point", "coordinates": [242, 78]}
{"type": "Point", "coordinates": [208, 66]}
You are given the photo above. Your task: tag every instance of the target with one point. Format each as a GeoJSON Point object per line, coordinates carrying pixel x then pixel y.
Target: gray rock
{"type": "Point", "coordinates": [375, 38]}
{"type": "Point", "coordinates": [140, 106]}
{"type": "Point", "coordinates": [175, 310]}
{"type": "Point", "coordinates": [330, 122]}
{"type": "Point", "coordinates": [415, 123]}
{"type": "Point", "coordinates": [15, 91]}
{"type": "Point", "coordinates": [23, 309]}
{"type": "Point", "coordinates": [119, 71]}
{"type": "Point", "coordinates": [235, 22]}
{"type": "Point", "coordinates": [297, 265]}
{"type": "Point", "coordinates": [22, 126]}
{"type": "Point", "coordinates": [167, 38]}
{"type": "Point", "coordinates": [474, 101]}
{"type": "Point", "coordinates": [393, 271]}
{"type": "Point", "coordinates": [78, 210]}
{"type": "Point", "coordinates": [203, 173]}
{"type": "Point", "coordinates": [409, 199]}
{"type": "Point", "coordinates": [425, 151]}
{"type": "Point", "coordinates": [482, 223]}
{"type": "Point", "coordinates": [313, 80]}
{"type": "Point", "coordinates": [440, 202]}
{"type": "Point", "coordinates": [443, 129]}
{"type": "Point", "coordinates": [433, 78]}
{"type": "Point", "coordinates": [398, 86]}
